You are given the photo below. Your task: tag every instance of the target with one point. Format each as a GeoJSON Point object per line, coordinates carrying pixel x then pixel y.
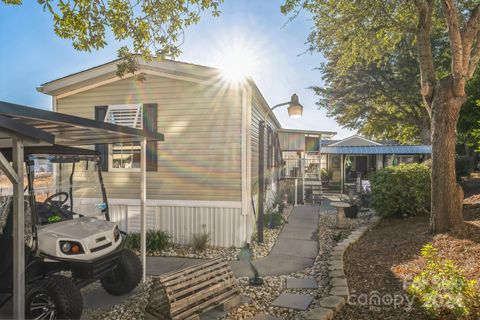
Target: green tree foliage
{"type": "Point", "coordinates": [401, 190]}
{"type": "Point", "coordinates": [363, 32]}
{"type": "Point", "coordinates": [154, 27]}
{"type": "Point", "coordinates": [380, 100]}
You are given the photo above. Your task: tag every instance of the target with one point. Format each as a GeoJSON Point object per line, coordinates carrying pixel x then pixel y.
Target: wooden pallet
{"type": "Point", "coordinates": [186, 293]}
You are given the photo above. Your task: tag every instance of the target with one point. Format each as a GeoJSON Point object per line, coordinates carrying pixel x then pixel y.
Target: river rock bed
{"type": "Point", "coordinates": [259, 250]}
{"type": "Point", "coordinates": [261, 297]}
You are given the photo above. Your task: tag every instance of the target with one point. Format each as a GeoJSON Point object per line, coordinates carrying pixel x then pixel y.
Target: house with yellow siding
{"type": "Point", "coordinates": [203, 177]}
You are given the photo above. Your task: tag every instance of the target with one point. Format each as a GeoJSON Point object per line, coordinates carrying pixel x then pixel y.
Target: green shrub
{"type": "Point", "coordinates": [401, 190]}
{"type": "Point", "coordinates": [157, 240]}
{"type": "Point", "coordinates": [200, 241]}
{"type": "Point", "coordinates": [275, 218]}
{"type": "Point", "coordinates": [442, 289]}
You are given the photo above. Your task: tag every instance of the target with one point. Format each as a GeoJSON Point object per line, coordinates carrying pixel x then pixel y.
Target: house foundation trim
{"type": "Point", "coordinates": [170, 203]}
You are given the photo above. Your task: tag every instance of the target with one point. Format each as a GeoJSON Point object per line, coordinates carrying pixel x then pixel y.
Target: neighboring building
{"type": "Point", "coordinates": [341, 161]}
{"type": "Point", "coordinates": [303, 161]}
{"type": "Point", "coordinates": [203, 178]}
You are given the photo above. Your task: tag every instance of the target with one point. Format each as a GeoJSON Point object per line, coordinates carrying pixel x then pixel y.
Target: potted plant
{"type": "Point", "coordinates": [326, 176]}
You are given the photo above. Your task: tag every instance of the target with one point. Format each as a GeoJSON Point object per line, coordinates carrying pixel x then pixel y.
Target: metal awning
{"type": "Point", "coordinates": [55, 149]}
{"type": "Point", "coordinates": [420, 149]}
{"type": "Point", "coordinates": [41, 127]}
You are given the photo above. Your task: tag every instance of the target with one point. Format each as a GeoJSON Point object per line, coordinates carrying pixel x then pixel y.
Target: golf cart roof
{"type": "Point", "coordinates": [51, 150]}
{"type": "Point", "coordinates": [46, 128]}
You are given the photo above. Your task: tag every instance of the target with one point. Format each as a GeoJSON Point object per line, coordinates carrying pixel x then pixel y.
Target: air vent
{"type": "Point", "coordinates": [101, 239]}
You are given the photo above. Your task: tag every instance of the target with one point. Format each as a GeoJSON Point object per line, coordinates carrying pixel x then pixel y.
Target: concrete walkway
{"type": "Point", "coordinates": [295, 249]}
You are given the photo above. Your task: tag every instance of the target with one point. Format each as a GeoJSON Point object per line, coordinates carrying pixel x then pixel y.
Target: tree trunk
{"type": "Point", "coordinates": [447, 195]}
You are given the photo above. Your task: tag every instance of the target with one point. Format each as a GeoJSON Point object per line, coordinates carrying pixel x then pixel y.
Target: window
{"type": "Point", "coordinates": [312, 144]}
{"type": "Point", "coordinates": [125, 156]}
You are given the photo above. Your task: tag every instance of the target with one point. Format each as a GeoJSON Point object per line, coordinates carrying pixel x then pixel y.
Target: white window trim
{"type": "Point", "coordinates": [110, 147]}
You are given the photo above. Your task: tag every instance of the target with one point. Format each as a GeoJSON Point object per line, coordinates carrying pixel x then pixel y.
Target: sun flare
{"type": "Point", "coordinates": [237, 62]}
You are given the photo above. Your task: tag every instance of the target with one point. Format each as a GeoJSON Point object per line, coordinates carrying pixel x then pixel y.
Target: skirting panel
{"type": "Point", "coordinates": [226, 226]}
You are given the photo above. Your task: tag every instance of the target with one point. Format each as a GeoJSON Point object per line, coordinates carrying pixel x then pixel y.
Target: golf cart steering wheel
{"type": "Point", "coordinates": [56, 203]}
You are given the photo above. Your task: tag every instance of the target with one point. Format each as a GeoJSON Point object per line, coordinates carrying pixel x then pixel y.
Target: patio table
{"type": "Point", "coordinates": [341, 220]}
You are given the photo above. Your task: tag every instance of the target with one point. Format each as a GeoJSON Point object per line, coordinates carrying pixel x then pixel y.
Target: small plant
{"type": "Point", "coordinates": [157, 240]}
{"type": "Point", "coordinates": [290, 191]}
{"type": "Point", "coordinates": [273, 219]}
{"type": "Point", "coordinates": [278, 200]}
{"type": "Point", "coordinates": [442, 289]}
{"type": "Point", "coordinates": [326, 175]}
{"type": "Point", "coordinates": [132, 241]}
{"type": "Point", "coordinates": [200, 240]}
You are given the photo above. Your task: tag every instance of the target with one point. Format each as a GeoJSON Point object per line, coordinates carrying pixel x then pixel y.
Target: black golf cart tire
{"type": "Point", "coordinates": [64, 293]}
{"type": "Point", "coordinates": [131, 270]}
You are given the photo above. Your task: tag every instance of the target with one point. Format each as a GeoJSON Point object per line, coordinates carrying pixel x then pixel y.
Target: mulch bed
{"type": "Point", "coordinates": [386, 258]}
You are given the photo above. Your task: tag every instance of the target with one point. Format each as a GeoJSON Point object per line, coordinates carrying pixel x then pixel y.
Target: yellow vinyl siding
{"type": "Point", "coordinates": [200, 158]}
{"type": "Point", "coordinates": [258, 115]}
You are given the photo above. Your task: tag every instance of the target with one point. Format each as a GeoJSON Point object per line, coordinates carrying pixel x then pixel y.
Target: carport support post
{"type": "Point", "coordinates": [143, 207]}
{"type": "Point", "coordinates": [18, 234]}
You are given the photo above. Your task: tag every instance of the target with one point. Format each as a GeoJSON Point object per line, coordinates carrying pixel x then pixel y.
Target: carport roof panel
{"type": "Point", "coordinates": [401, 149]}
{"type": "Point", "coordinates": [63, 129]}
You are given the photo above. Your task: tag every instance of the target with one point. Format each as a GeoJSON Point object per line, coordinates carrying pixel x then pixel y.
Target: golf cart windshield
{"type": "Point", "coordinates": [66, 187]}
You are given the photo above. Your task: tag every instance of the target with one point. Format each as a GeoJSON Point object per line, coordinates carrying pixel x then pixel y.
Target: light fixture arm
{"type": "Point", "coordinates": [270, 110]}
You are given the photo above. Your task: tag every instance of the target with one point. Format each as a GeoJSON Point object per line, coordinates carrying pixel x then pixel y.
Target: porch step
{"type": "Point", "coordinates": [313, 192]}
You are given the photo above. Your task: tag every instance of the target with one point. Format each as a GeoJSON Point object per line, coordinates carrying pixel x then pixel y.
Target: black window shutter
{"type": "Point", "coordinates": [100, 113]}
{"type": "Point", "coordinates": [150, 113]}
{"type": "Point", "coordinates": [269, 148]}
{"type": "Point", "coordinates": [277, 150]}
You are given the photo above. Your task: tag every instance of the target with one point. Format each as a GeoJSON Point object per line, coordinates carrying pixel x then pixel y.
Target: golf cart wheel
{"type": "Point", "coordinates": [125, 277]}
{"type": "Point", "coordinates": [53, 298]}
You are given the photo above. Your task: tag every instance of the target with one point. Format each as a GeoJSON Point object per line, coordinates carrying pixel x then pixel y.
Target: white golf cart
{"type": "Point", "coordinates": [69, 243]}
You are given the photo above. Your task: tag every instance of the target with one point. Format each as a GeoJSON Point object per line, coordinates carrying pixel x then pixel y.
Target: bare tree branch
{"type": "Point", "coordinates": [425, 57]}
{"type": "Point", "coordinates": [468, 37]}
{"type": "Point", "coordinates": [455, 38]}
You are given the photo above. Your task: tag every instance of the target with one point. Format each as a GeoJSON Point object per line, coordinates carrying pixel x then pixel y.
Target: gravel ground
{"type": "Point", "coordinates": [132, 309]}
{"type": "Point", "coordinates": [273, 286]}
{"type": "Point", "coordinates": [261, 297]}
{"type": "Point", "coordinates": [259, 250]}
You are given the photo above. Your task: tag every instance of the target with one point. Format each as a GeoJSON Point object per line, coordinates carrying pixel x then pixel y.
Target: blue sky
{"type": "Point", "coordinates": [31, 54]}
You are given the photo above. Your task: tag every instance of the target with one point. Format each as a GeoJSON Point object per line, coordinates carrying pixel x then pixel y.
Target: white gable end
{"type": "Point", "coordinates": [355, 141]}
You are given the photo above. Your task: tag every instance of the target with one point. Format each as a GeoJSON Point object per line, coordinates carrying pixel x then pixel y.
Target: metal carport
{"type": "Point", "coordinates": [22, 126]}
